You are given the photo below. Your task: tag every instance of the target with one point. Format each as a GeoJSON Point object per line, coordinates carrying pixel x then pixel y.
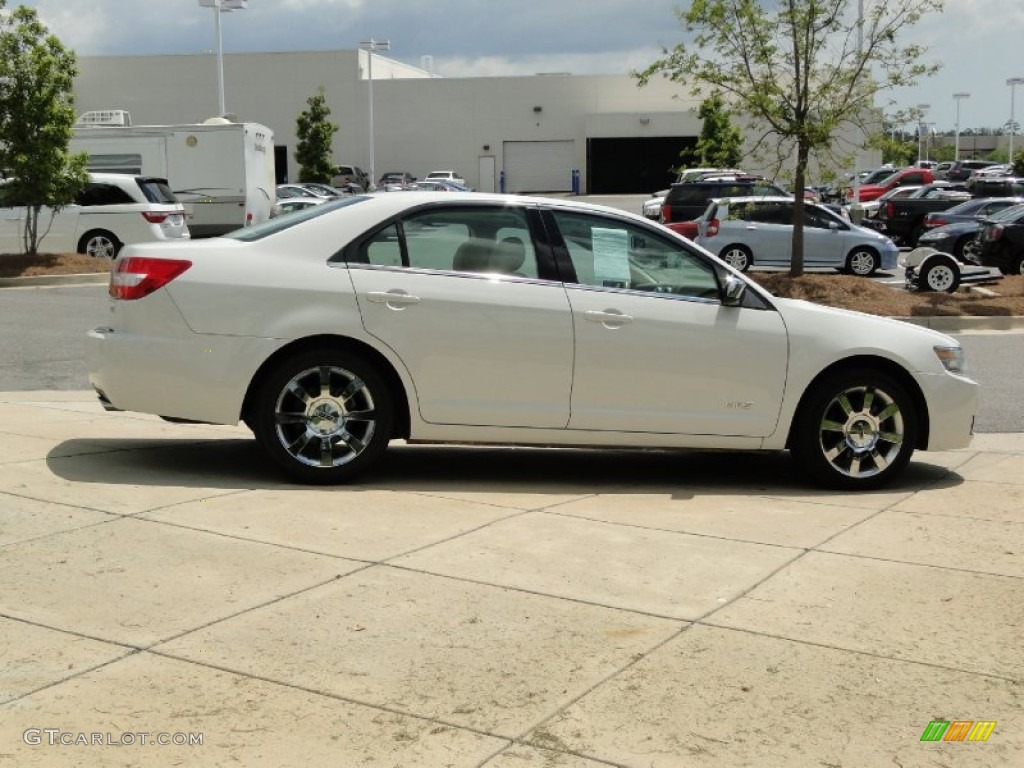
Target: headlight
{"type": "Point", "coordinates": [952, 358]}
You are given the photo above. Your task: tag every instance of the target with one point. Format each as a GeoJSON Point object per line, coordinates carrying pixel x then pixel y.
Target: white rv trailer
{"type": "Point", "coordinates": [222, 171]}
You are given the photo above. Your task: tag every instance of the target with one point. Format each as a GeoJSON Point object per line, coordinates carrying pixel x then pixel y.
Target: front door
{"type": "Point", "coordinates": [656, 351]}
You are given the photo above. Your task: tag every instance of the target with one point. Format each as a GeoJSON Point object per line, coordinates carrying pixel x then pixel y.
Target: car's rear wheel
{"type": "Point", "coordinates": [862, 262]}
{"type": "Point", "coordinates": [738, 257]}
{"type": "Point", "coordinates": [856, 430]}
{"type": "Point", "coordinates": [940, 273]}
{"type": "Point", "coordinates": [100, 244]}
{"type": "Point", "coordinates": [323, 416]}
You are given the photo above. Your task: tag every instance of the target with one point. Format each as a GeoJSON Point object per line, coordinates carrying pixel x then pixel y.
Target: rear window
{"type": "Point", "coordinates": [156, 190]}
{"type": "Point", "coordinates": [289, 220]}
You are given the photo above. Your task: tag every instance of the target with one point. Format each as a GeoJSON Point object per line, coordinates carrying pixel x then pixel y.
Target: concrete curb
{"type": "Point", "coordinates": [968, 323]}
{"type": "Point", "coordinates": [28, 282]}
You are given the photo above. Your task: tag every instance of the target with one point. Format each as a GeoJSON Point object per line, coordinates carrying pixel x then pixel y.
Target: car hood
{"type": "Point", "coordinates": [819, 332]}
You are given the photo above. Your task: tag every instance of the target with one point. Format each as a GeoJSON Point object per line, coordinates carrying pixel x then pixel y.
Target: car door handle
{"type": "Point", "coordinates": [395, 299]}
{"type": "Point", "coordinates": [611, 318]}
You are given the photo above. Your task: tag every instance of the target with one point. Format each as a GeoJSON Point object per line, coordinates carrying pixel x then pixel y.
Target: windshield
{"type": "Point", "coordinates": [288, 220]}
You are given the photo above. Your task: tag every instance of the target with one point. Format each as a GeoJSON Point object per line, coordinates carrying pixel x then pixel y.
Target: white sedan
{"type": "Point", "coordinates": [511, 320]}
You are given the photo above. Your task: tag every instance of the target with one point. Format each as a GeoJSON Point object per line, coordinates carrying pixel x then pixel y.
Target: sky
{"type": "Point", "coordinates": [977, 41]}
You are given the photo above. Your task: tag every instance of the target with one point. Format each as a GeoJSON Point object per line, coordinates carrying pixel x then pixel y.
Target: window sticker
{"type": "Point", "coordinates": [611, 257]}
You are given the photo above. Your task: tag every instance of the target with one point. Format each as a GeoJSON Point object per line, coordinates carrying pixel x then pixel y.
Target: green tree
{"type": "Point", "coordinates": [37, 116]}
{"type": "Point", "coordinates": [720, 143]}
{"type": "Point", "coordinates": [315, 133]}
{"type": "Point", "coordinates": [804, 69]}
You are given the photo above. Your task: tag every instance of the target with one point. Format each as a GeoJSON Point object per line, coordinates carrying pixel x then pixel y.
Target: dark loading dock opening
{"type": "Point", "coordinates": [633, 165]}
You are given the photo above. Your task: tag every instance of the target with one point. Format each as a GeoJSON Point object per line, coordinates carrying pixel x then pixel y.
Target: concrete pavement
{"type": "Point", "coordinates": [495, 607]}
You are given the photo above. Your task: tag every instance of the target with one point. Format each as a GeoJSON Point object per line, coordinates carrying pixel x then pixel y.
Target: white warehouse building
{"type": "Point", "coordinates": [517, 134]}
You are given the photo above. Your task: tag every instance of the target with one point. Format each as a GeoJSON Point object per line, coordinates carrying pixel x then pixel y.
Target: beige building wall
{"type": "Point", "coordinates": [421, 123]}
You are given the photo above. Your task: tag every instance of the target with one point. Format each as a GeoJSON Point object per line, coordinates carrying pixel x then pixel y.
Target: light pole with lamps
{"type": "Point", "coordinates": [219, 7]}
{"type": "Point", "coordinates": [1013, 82]}
{"type": "Point", "coordinates": [370, 46]}
{"type": "Point", "coordinates": [922, 109]}
{"type": "Point", "coordinates": [956, 147]}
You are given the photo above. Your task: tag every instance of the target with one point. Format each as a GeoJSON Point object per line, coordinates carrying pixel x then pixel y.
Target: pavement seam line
{"type": "Point", "coordinates": [859, 652]}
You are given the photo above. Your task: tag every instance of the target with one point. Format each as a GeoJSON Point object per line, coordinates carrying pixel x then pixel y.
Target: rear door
{"type": "Point", "coordinates": [460, 295]}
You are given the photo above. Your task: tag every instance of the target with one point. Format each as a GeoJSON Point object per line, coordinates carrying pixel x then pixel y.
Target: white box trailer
{"type": "Point", "coordinates": [222, 171]}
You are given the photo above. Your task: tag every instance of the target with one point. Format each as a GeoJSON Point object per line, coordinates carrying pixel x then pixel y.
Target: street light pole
{"type": "Point", "coordinates": [959, 97]}
{"type": "Point", "coordinates": [219, 7]}
{"type": "Point", "coordinates": [922, 108]}
{"type": "Point", "coordinates": [1013, 82]}
{"type": "Point", "coordinates": [370, 46]}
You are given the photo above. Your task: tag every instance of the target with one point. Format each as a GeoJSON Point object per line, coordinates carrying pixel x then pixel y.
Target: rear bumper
{"type": "Point", "coordinates": [200, 378]}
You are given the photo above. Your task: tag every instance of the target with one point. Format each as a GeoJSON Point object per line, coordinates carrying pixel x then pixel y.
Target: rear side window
{"type": "Point", "coordinates": [104, 194]}
{"type": "Point", "coordinates": [156, 190]}
{"type": "Point", "coordinates": [484, 240]}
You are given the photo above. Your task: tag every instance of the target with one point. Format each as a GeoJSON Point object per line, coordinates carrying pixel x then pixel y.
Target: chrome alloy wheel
{"type": "Point", "coordinates": [325, 416]}
{"type": "Point", "coordinates": [862, 431]}
{"type": "Point", "coordinates": [862, 263]}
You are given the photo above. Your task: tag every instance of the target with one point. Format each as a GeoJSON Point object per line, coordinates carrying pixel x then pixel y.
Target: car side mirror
{"type": "Point", "coordinates": [732, 293]}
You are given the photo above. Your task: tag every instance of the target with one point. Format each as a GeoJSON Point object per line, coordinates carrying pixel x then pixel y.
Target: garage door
{"type": "Point", "coordinates": [539, 166]}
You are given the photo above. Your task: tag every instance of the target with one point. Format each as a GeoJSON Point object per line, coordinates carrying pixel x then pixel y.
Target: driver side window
{"type": "Point", "coordinates": [609, 253]}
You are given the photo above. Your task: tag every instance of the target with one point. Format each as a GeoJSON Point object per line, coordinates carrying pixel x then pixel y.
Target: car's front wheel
{"type": "Point", "coordinates": [323, 416]}
{"type": "Point", "coordinates": [862, 262]}
{"type": "Point", "coordinates": [855, 430]}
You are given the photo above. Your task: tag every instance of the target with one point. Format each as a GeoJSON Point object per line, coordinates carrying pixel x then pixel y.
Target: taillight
{"type": "Point", "coordinates": [134, 277]}
{"type": "Point", "coordinates": [159, 217]}
{"type": "Point", "coordinates": [890, 209]}
{"type": "Point", "coordinates": [248, 218]}
{"type": "Point", "coordinates": [666, 212]}
{"type": "Point", "coordinates": [712, 228]}
{"type": "Point", "coordinates": [929, 223]}
{"type": "Point", "coordinates": [994, 232]}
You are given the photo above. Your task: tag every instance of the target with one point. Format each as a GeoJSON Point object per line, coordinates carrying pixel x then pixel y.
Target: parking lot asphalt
{"type": "Point", "coordinates": [468, 606]}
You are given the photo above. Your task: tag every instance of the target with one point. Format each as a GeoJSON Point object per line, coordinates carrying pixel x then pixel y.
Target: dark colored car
{"type": "Point", "coordinates": [1005, 186]}
{"type": "Point", "coordinates": [1000, 243]}
{"type": "Point", "coordinates": [960, 238]}
{"type": "Point", "coordinates": [688, 200]}
{"type": "Point", "coordinates": [962, 169]}
{"type": "Point", "coordinates": [396, 177]}
{"type": "Point", "coordinates": [970, 210]}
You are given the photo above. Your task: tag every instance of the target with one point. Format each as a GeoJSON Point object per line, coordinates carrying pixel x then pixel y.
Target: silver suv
{"type": "Point", "coordinates": [758, 231]}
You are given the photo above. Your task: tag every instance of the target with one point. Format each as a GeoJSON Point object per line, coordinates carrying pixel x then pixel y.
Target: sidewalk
{"type": "Point", "coordinates": [495, 607]}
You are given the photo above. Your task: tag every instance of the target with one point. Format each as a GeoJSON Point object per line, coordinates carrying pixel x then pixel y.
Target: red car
{"type": "Point", "coordinates": [902, 178]}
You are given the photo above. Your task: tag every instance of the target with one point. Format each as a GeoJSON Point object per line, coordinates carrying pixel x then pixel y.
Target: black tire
{"type": "Point", "coordinates": [915, 235]}
{"type": "Point", "coordinates": [862, 262]}
{"type": "Point", "coordinates": [100, 243]}
{"type": "Point", "coordinates": [737, 256]}
{"type": "Point", "coordinates": [321, 391]}
{"type": "Point", "coordinates": [940, 273]}
{"type": "Point", "coordinates": [861, 445]}
{"type": "Point", "coordinates": [1016, 266]}
{"type": "Point", "coordinates": [960, 244]}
